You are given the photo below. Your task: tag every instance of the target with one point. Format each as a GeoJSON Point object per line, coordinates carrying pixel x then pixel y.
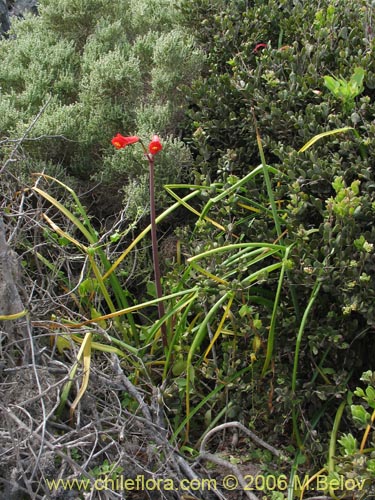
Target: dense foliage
{"type": "Point", "coordinates": [269, 281]}
{"type": "Point", "coordinates": [272, 60]}
{"type": "Point", "coordinates": [97, 69]}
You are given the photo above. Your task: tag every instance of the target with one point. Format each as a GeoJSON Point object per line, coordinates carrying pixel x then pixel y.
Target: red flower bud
{"type": "Point", "coordinates": [259, 46]}
{"type": "Point", "coordinates": [155, 145]}
{"type": "Point", "coordinates": [119, 141]}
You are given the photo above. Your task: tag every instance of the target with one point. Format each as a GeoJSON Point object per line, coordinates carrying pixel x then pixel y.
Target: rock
{"type": "Point", "coordinates": [4, 17]}
{"type": "Point", "coordinates": [16, 8]}
{"type": "Point", "coordinates": [20, 7]}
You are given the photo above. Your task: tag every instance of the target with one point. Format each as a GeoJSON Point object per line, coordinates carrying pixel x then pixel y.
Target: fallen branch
{"type": "Point", "coordinates": [252, 435]}
{"type": "Point", "coordinates": [203, 455]}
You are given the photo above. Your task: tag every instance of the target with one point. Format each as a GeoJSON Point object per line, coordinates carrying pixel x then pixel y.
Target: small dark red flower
{"type": "Point", "coordinates": [119, 141]}
{"type": "Point", "coordinates": [259, 46]}
{"type": "Point", "coordinates": [155, 145]}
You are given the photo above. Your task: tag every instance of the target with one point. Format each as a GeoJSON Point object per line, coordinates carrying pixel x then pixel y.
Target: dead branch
{"type": "Point", "coordinates": [248, 432]}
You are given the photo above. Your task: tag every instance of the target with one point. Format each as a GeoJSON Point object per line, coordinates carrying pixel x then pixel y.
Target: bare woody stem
{"type": "Point", "coordinates": [155, 253]}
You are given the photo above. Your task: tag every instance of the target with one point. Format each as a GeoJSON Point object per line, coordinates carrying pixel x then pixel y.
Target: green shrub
{"type": "Point", "coordinates": [325, 195]}
{"type": "Point", "coordinates": [99, 68]}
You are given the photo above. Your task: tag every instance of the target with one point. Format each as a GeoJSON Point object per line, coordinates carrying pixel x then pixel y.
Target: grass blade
{"type": "Point", "coordinates": [317, 137]}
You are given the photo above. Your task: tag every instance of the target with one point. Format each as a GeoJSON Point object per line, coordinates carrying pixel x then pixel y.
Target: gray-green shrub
{"type": "Point", "coordinates": [102, 67]}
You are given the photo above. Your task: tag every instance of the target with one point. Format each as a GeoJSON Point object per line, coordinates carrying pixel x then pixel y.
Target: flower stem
{"type": "Point", "coordinates": [155, 253]}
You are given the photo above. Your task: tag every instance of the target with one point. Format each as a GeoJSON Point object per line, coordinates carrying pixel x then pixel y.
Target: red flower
{"type": "Point", "coordinates": [119, 141]}
{"type": "Point", "coordinates": [155, 145]}
{"type": "Point", "coordinates": [259, 46]}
